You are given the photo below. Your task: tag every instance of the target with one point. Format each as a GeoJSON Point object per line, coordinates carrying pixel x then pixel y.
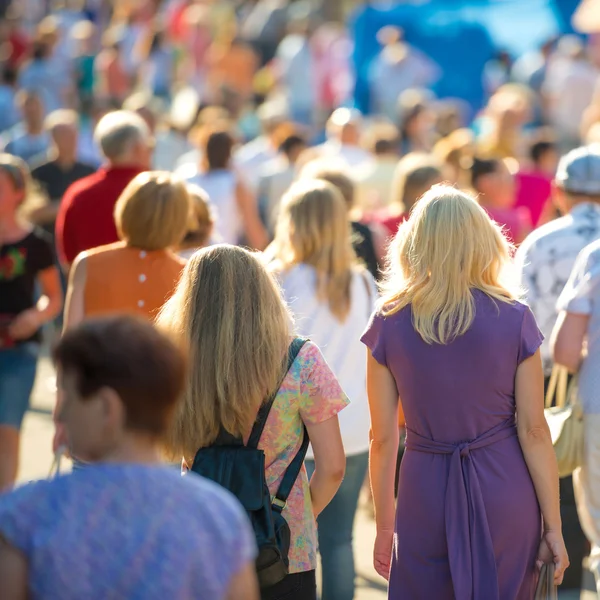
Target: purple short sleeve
{"type": "Point", "coordinates": [531, 337]}
{"type": "Point", "coordinates": [373, 338]}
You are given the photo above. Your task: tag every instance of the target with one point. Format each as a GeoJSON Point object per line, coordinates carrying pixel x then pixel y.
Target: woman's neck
{"type": "Point", "coordinates": [134, 448]}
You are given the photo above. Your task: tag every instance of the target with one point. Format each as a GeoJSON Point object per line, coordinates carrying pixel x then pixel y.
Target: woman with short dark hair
{"type": "Point", "coordinates": [124, 525]}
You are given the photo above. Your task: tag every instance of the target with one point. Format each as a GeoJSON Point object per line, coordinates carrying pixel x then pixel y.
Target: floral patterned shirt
{"type": "Point", "coordinates": [310, 394]}
{"type": "Point", "coordinates": [544, 262]}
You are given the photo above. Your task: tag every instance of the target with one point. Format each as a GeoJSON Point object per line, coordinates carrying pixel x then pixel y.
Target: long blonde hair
{"type": "Point", "coordinates": [229, 315]}
{"type": "Point", "coordinates": [314, 229]}
{"type": "Point", "coordinates": [448, 247]}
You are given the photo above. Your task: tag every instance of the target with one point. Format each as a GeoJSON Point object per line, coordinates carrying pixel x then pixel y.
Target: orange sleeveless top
{"type": "Point", "coordinates": [121, 279]}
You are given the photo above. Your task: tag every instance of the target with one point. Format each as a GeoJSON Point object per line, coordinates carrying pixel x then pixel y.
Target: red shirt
{"type": "Point", "coordinates": [85, 218]}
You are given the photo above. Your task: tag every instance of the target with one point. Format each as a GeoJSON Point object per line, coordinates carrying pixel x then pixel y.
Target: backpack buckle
{"type": "Point", "coordinates": [279, 504]}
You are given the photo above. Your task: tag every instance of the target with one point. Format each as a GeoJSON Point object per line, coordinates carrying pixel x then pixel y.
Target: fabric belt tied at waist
{"type": "Point", "coordinates": [470, 549]}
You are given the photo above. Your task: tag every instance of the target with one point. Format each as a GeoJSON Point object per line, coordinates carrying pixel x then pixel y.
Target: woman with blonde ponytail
{"type": "Point", "coordinates": [450, 344]}
{"type": "Point", "coordinates": [331, 297]}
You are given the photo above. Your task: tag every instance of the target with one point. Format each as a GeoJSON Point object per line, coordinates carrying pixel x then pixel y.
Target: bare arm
{"type": "Point", "coordinates": [536, 443]}
{"type": "Point", "coordinates": [13, 572]}
{"type": "Point", "coordinates": [384, 407]}
{"type": "Point", "coordinates": [330, 462]}
{"type": "Point", "coordinates": [253, 227]}
{"type": "Point", "coordinates": [75, 305]}
{"type": "Point", "coordinates": [244, 585]}
{"type": "Point", "coordinates": [27, 323]}
{"type": "Point", "coordinates": [568, 339]}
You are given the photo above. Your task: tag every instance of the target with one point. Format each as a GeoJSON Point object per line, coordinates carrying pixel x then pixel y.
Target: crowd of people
{"type": "Point", "coordinates": [208, 235]}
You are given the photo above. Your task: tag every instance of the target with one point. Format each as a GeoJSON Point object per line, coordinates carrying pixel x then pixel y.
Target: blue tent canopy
{"type": "Point", "coordinates": [460, 35]}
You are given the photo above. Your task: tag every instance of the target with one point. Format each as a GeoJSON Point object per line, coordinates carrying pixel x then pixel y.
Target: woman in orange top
{"type": "Point", "coordinates": [138, 274]}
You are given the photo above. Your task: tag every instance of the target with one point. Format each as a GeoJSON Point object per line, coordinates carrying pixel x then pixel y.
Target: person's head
{"type": "Point", "coordinates": [382, 140]}
{"type": "Point", "coordinates": [153, 211]}
{"type": "Point", "coordinates": [417, 119]}
{"type": "Point", "coordinates": [271, 115]}
{"type": "Point", "coordinates": [453, 151]}
{"type": "Point", "coordinates": [119, 379]}
{"type": "Point", "coordinates": [447, 248]}
{"type": "Point", "coordinates": [344, 126]}
{"type": "Point", "coordinates": [414, 175]}
{"type": "Point", "coordinates": [544, 155]}
{"type": "Point", "coordinates": [493, 179]}
{"type": "Point", "coordinates": [144, 105]}
{"type": "Point", "coordinates": [15, 180]}
{"type": "Point", "coordinates": [218, 149]}
{"type": "Point", "coordinates": [63, 125]}
{"type": "Point", "coordinates": [229, 314]}
{"type": "Point", "coordinates": [292, 147]}
{"type": "Point", "coordinates": [32, 109]}
{"type": "Point", "coordinates": [10, 75]}
{"type": "Point", "coordinates": [202, 220]}
{"type": "Point", "coordinates": [593, 134]}
{"type": "Point", "coordinates": [313, 229]}
{"type": "Point", "coordinates": [112, 39]}
{"type": "Point", "coordinates": [333, 173]}
{"type": "Point", "coordinates": [125, 140]}
{"type": "Point", "coordinates": [40, 51]}
{"type": "Point", "coordinates": [578, 177]}
{"type": "Point", "coordinates": [83, 34]}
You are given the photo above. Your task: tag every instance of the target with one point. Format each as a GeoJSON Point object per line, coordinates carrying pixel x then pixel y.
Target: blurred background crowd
{"type": "Point", "coordinates": [439, 83]}
{"type": "Point", "coordinates": [239, 98]}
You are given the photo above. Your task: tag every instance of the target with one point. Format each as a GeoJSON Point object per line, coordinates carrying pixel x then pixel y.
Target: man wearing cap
{"type": "Point", "coordinates": [545, 261]}
{"type": "Point", "coordinates": [546, 257]}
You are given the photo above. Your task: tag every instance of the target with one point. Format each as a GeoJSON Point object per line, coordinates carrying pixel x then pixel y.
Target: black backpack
{"type": "Point", "coordinates": [240, 469]}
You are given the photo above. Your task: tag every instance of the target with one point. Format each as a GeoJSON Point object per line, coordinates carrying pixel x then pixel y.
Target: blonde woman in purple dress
{"type": "Point", "coordinates": [478, 506]}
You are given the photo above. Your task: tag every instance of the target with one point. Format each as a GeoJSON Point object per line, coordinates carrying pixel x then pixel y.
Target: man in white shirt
{"type": "Point", "coordinates": [546, 257]}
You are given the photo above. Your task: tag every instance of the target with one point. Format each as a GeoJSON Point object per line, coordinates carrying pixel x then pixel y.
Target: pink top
{"type": "Point", "coordinates": [516, 222]}
{"type": "Point", "coordinates": [533, 193]}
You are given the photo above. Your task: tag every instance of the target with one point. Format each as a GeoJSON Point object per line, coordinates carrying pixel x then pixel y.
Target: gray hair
{"type": "Point", "coordinates": [61, 117]}
{"type": "Point", "coordinates": [118, 131]}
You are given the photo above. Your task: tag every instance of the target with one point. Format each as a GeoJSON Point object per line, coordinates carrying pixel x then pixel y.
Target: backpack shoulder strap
{"type": "Point", "coordinates": [290, 475]}
{"type": "Point", "coordinates": [265, 409]}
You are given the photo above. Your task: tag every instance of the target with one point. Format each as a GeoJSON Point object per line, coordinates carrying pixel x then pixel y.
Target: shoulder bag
{"type": "Point", "coordinates": [564, 415]}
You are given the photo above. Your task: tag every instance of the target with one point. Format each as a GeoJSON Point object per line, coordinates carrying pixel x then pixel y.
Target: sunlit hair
{"type": "Point", "coordinates": [228, 313]}
{"type": "Point", "coordinates": [334, 172]}
{"type": "Point", "coordinates": [313, 229]}
{"type": "Point", "coordinates": [448, 247]}
{"type": "Point", "coordinates": [153, 211]}
{"type": "Point", "coordinates": [17, 171]}
{"type": "Point", "coordinates": [202, 219]}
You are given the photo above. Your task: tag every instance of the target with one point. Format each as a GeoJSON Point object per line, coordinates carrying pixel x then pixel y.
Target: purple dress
{"type": "Point", "coordinates": [468, 523]}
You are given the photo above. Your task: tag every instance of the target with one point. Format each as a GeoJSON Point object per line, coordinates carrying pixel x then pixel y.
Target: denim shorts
{"type": "Point", "coordinates": [18, 366]}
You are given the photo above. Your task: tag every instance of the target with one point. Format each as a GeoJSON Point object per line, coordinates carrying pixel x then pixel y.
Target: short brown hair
{"type": "Point", "coordinates": [153, 211]}
{"type": "Point", "coordinates": [414, 175]}
{"type": "Point", "coordinates": [128, 355]}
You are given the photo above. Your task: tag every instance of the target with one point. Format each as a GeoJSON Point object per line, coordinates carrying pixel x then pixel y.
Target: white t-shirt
{"type": "Point", "coordinates": [221, 189]}
{"type": "Point", "coordinates": [339, 342]}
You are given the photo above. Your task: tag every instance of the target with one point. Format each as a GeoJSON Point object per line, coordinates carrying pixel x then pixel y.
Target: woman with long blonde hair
{"type": "Point", "coordinates": [228, 314]}
{"type": "Point", "coordinates": [451, 343]}
{"type": "Point", "coordinates": [331, 297]}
